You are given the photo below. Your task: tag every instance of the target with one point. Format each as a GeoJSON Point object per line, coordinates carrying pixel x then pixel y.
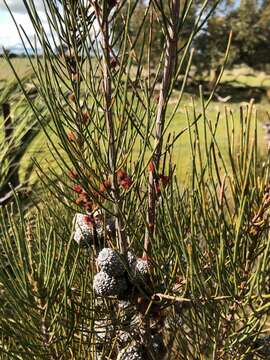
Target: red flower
{"type": "Point", "coordinates": [123, 179]}
{"type": "Point", "coordinates": [126, 183]}
{"type": "Point", "coordinates": [164, 180]}
{"type": "Point", "coordinates": [77, 188]}
{"type": "Point", "coordinates": [121, 175]}
{"type": "Point", "coordinates": [72, 174]}
{"type": "Point", "coordinates": [83, 199]}
{"type": "Point", "coordinates": [106, 185]}
{"type": "Point", "coordinates": [79, 201]}
{"type": "Point", "coordinates": [87, 219]}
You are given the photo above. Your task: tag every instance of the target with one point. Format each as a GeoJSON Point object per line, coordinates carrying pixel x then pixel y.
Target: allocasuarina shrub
{"type": "Point", "coordinates": [158, 270]}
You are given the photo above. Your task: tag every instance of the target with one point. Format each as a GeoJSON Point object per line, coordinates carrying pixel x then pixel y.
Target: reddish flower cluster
{"type": "Point", "coordinates": [77, 188]}
{"type": "Point", "coordinates": [89, 220]}
{"type": "Point", "coordinates": [84, 201]}
{"type": "Point", "coordinates": [105, 186]}
{"type": "Point", "coordinates": [123, 179]}
{"type": "Point", "coordinates": [83, 198]}
{"type": "Point", "coordinates": [72, 175]}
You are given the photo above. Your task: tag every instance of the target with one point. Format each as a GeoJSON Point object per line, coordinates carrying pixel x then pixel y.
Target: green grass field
{"type": "Point", "coordinates": [247, 76]}
{"type": "Point", "coordinates": [181, 152]}
{"type": "Point", "coordinates": [182, 157]}
{"type": "Point", "coordinates": [21, 66]}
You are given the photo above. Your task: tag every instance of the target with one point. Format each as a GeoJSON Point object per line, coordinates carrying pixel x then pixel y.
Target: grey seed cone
{"type": "Point", "coordinates": [139, 270]}
{"type": "Point", "coordinates": [132, 352]}
{"type": "Point", "coordinates": [83, 232]}
{"type": "Point", "coordinates": [110, 262]}
{"type": "Point", "coordinates": [107, 285]}
{"type": "Point", "coordinates": [131, 258]}
{"type": "Point", "coordinates": [142, 267]}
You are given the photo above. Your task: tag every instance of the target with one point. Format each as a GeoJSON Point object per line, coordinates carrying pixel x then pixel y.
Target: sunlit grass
{"type": "Point", "coordinates": [39, 148]}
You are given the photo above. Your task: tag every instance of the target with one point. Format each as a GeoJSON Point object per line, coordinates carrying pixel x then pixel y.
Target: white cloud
{"type": "Point", "coordinates": [9, 36]}
{"type": "Point", "coordinates": [17, 6]}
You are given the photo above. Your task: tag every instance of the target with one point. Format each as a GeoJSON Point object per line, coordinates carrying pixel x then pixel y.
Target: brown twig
{"type": "Point", "coordinates": [168, 74]}
{"type": "Point", "coordinates": [107, 87]}
{"type": "Point", "coordinates": [182, 299]}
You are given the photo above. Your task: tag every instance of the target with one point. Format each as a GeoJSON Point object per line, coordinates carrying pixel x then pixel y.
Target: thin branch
{"type": "Point", "coordinates": [107, 87]}
{"type": "Point", "coordinates": [168, 75]}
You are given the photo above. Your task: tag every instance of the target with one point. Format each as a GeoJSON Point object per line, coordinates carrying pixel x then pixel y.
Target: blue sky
{"type": "Point", "coordinates": [8, 34]}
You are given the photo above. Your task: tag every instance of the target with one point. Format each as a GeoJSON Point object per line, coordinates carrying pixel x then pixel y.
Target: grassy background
{"type": "Point", "coordinates": [182, 157]}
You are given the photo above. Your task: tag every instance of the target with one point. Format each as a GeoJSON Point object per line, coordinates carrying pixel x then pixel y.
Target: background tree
{"type": "Point", "coordinates": [249, 22]}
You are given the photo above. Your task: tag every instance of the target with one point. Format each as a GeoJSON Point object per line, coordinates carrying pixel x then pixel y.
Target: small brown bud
{"type": "Point", "coordinates": [77, 188]}
{"type": "Point", "coordinates": [121, 175]}
{"type": "Point", "coordinates": [113, 62]}
{"type": "Point", "coordinates": [72, 97]}
{"type": "Point", "coordinates": [106, 185]}
{"type": "Point", "coordinates": [85, 117]}
{"type": "Point", "coordinates": [72, 174]}
{"type": "Point", "coordinates": [71, 136]}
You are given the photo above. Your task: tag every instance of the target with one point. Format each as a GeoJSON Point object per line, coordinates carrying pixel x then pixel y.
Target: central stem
{"type": "Point", "coordinates": [107, 87]}
{"type": "Point", "coordinates": [168, 74]}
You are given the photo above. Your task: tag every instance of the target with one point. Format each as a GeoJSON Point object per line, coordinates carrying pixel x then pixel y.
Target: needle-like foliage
{"type": "Point", "coordinates": [157, 270]}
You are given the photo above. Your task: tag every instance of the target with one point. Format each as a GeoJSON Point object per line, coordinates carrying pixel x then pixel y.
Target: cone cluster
{"type": "Point", "coordinates": [117, 273]}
